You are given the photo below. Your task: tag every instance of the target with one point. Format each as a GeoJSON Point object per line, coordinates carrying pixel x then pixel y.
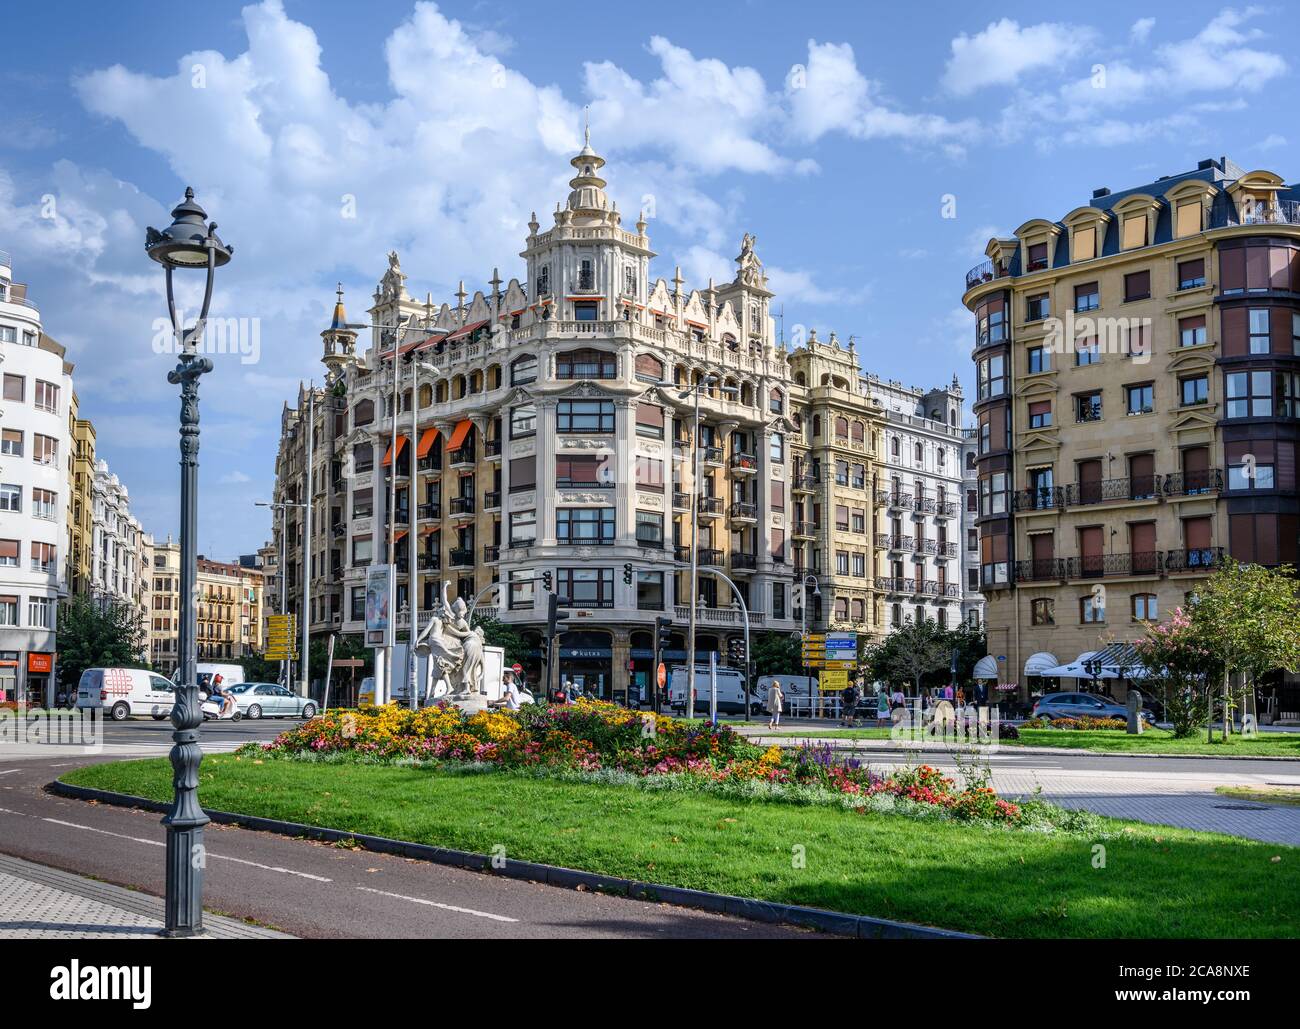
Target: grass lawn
{"type": "Point", "coordinates": [1156, 881]}
{"type": "Point", "coordinates": [1264, 794]}
{"type": "Point", "coordinates": [1155, 741]}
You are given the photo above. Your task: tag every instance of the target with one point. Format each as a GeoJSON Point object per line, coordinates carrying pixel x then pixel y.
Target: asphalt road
{"type": "Point", "coordinates": [313, 889]}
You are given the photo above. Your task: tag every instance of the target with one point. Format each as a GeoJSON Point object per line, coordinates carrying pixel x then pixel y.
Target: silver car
{"type": "Point", "coordinates": [1076, 705]}
{"type": "Point", "coordinates": [270, 700]}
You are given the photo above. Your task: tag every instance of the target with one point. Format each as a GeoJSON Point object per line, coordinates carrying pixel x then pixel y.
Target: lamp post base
{"type": "Point", "coordinates": [183, 907]}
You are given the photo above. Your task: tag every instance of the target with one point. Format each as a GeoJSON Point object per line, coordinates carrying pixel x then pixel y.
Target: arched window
{"type": "Point", "coordinates": [649, 368]}
{"type": "Point", "coordinates": [841, 428]}
{"type": "Point", "coordinates": [730, 342]}
{"type": "Point", "coordinates": [440, 391]}
{"type": "Point", "coordinates": [494, 377]}
{"type": "Point", "coordinates": [858, 432]}
{"type": "Point", "coordinates": [920, 453]}
{"type": "Point", "coordinates": [894, 449]}
{"type": "Point", "coordinates": [363, 413]}
{"type": "Point", "coordinates": [939, 456]}
{"type": "Point", "coordinates": [426, 395]}
{"type": "Point", "coordinates": [970, 459]}
{"type": "Point", "coordinates": [776, 402]}
{"type": "Point", "coordinates": [458, 387]}
{"type": "Point", "coordinates": [817, 425]}
{"type": "Point", "coordinates": [363, 457]}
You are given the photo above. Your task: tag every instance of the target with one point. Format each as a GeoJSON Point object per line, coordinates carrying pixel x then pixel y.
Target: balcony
{"type": "Point", "coordinates": [492, 448]}
{"type": "Point", "coordinates": [1038, 498]}
{"type": "Point", "coordinates": [899, 501]}
{"type": "Point", "coordinates": [882, 497]}
{"type": "Point", "coordinates": [712, 456]}
{"type": "Point", "coordinates": [462, 458]}
{"type": "Point", "coordinates": [923, 506]}
{"type": "Point", "coordinates": [715, 615]}
{"type": "Point", "coordinates": [709, 557]}
{"type": "Point", "coordinates": [881, 540]}
{"type": "Point", "coordinates": [461, 506]}
{"type": "Point", "coordinates": [709, 507]}
{"type": "Point", "coordinates": [804, 530]}
{"type": "Point", "coordinates": [681, 501]}
{"type": "Point", "coordinates": [491, 500]}
{"type": "Point", "coordinates": [1193, 484]}
{"type": "Point", "coordinates": [744, 512]}
{"type": "Point", "coordinates": [429, 562]}
{"type": "Point", "coordinates": [892, 584]}
{"type": "Point", "coordinates": [425, 512]}
{"type": "Point", "coordinates": [339, 529]}
{"type": "Point", "coordinates": [926, 588]}
{"type": "Point", "coordinates": [1041, 570]}
{"type": "Point", "coordinates": [1082, 494]}
{"type": "Point", "coordinates": [945, 550]}
{"type": "Point", "coordinates": [1099, 566]}
{"type": "Point", "coordinates": [804, 483]}
{"type": "Point", "coordinates": [743, 562]}
{"type": "Point", "coordinates": [744, 464]}
{"type": "Point", "coordinates": [1225, 212]}
{"type": "Point", "coordinates": [949, 591]}
{"type": "Point", "coordinates": [461, 557]}
{"type": "Point", "coordinates": [491, 553]}
{"type": "Point", "coordinates": [985, 271]}
{"type": "Point", "coordinates": [945, 509]}
{"type": "Point", "coordinates": [431, 462]}
{"type": "Point", "coordinates": [901, 544]}
{"type": "Point", "coordinates": [925, 546]}
{"type": "Point", "coordinates": [1196, 560]}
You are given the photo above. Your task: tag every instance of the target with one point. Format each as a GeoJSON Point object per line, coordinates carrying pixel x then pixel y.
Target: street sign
{"type": "Point", "coordinates": [833, 681]}
{"type": "Point", "coordinates": [840, 666]}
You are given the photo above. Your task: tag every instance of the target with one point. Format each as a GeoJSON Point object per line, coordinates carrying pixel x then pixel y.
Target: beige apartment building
{"type": "Point", "coordinates": [81, 478]}
{"type": "Point", "coordinates": [1138, 401]}
{"type": "Point", "coordinates": [164, 603]}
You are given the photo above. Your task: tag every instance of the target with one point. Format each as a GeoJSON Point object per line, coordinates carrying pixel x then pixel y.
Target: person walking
{"type": "Point", "coordinates": [849, 700]}
{"type": "Point", "coordinates": [775, 701]}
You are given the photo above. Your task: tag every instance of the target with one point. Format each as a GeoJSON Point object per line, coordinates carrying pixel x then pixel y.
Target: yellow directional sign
{"type": "Point", "coordinates": [834, 681]}
{"type": "Point", "coordinates": [840, 666]}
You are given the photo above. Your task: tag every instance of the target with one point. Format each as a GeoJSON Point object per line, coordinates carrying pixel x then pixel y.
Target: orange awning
{"type": "Point", "coordinates": [426, 529]}
{"type": "Point", "coordinates": [458, 434]}
{"type": "Point", "coordinates": [426, 441]}
{"type": "Point", "coordinates": [388, 454]}
{"type": "Point", "coordinates": [400, 534]}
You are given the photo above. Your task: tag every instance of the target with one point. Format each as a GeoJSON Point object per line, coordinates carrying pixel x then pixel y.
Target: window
{"type": "Point", "coordinates": [1295, 334]}
{"type": "Point", "coordinates": [1040, 360]}
{"type": "Point", "coordinates": [523, 528]}
{"type": "Point", "coordinates": [585, 587]}
{"type": "Point", "coordinates": [11, 442]}
{"type": "Point", "coordinates": [523, 370]}
{"type": "Point", "coordinates": [1137, 286]}
{"type": "Point", "coordinates": [9, 612]}
{"type": "Point", "coordinates": [47, 396]}
{"type": "Point", "coordinates": [1084, 243]}
{"type": "Point", "coordinates": [1191, 273]}
{"type": "Point", "coordinates": [842, 517]}
{"type": "Point", "coordinates": [1195, 390]}
{"type": "Point", "coordinates": [629, 280]}
{"type": "Point", "coordinates": [585, 364]}
{"type": "Point", "coordinates": [362, 550]}
{"type": "Point", "coordinates": [650, 528]}
{"type": "Point", "coordinates": [1134, 231]}
{"type": "Point", "coordinates": [858, 521]}
{"type": "Point", "coordinates": [1092, 609]}
{"type": "Point", "coordinates": [523, 421]}
{"type": "Point", "coordinates": [1248, 394]}
{"type": "Point", "coordinates": [1088, 407]}
{"type": "Point", "coordinates": [649, 591]}
{"type": "Point", "coordinates": [584, 416]}
{"type": "Point", "coordinates": [1043, 612]}
{"type": "Point", "coordinates": [43, 557]}
{"type": "Point", "coordinates": [650, 473]}
{"type": "Point", "coordinates": [860, 566]}
{"type": "Point", "coordinates": [1140, 399]}
{"type": "Point", "coordinates": [1145, 607]}
{"type": "Point", "coordinates": [584, 525]}
{"type": "Point", "coordinates": [543, 280]}
{"type": "Point", "coordinates": [1191, 331]}
{"type": "Point", "coordinates": [587, 311]}
{"type": "Point", "coordinates": [586, 276]}
{"type": "Point", "coordinates": [523, 473]}
{"type": "Point", "coordinates": [44, 504]}
{"type": "Point", "coordinates": [15, 388]}
{"type": "Point", "coordinates": [1255, 473]}
{"type": "Point", "coordinates": [650, 421]}
{"type": "Point", "coordinates": [363, 413]}
{"type": "Point", "coordinates": [841, 473]}
{"type": "Point", "coordinates": [11, 498]}
{"type": "Point", "coordinates": [778, 600]}
{"type": "Point", "coordinates": [363, 457]}
{"type": "Point", "coordinates": [1040, 414]}
{"type": "Point", "coordinates": [1288, 394]}
{"type": "Point", "coordinates": [991, 373]}
{"type": "Point", "coordinates": [1187, 218]}
{"type": "Point", "coordinates": [521, 591]}
{"type": "Point", "coordinates": [1087, 351]}
{"type": "Point", "coordinates": [993, 494]}
{"type": "Point", "coordinates": [1038, 307]}
{"type": "Point", "coordinates": [40, 612]}
{"type": "Point", "coordinates": [1037, 257]}
{"type": "Point", "coordinates": [583, 471]}
{"type": "Point", "coordinates": [841, 562]}
{"type": "Point", "coordinates": [8, 553]}
{"type": "Point", "coordinates": [776, 402]}
{"type": "Point", "coordinates": [1087, 297]}
{"type": "Point", "coordinates": [858, 480]}
{"type": "Point", "coordinates": [1259, 330]}
{"type": "Point", "coordinates": [776, 448]}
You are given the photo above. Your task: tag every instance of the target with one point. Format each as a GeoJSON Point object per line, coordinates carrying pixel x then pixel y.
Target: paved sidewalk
{"type": "Point", "coordinates": [37, 902]}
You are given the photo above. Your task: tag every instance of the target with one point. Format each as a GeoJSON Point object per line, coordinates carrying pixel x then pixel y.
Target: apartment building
{"type": "Point", "coordinates": [164, 606]}
{"type": "Point", "coordinates": [80, 517]}
{"type": "Point", "coordinates": [116, 545]}
{"type": "Point", "coordinates": [918, 511]}
{"type": "Point", "coordinates": [972, 600]}
{"type": "Point", "coordinates": [1138, 371]}
{"type": "Point", "coordinates": [230, 616]}
{"type": "Point", "coordinates": [34, 445]}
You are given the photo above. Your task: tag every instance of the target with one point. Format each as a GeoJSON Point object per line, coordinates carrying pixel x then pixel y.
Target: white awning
{"type": "Point", "coordinates": [986, 667]}
{"type": "Point", "coordinates": [1118, 661]}
{"type": "Point", "coordinates": [1038, 664]}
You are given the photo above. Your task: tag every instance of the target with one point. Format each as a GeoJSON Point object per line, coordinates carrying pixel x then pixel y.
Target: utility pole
{"type": "Point", "coordinates": [303, 664]}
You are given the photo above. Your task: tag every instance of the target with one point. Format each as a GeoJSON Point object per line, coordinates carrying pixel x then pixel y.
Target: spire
{"type": "Point", "coordinates": [588, 188]}
{"type": "Point", "coordinates": [340, 315]}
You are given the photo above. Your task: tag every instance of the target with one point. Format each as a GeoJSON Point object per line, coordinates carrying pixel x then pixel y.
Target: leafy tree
{"type": "Point", "coordinates": [913, 652]}
{"type": "Point", "coordinates": [1182, 671]}
{"type": "Point", "coordinates": [95, 636]}
{"type": "Point", "coordinates": [776, 653]}
{"type": "Point", "coordinates": [1248, 618]}
{"type": "Point", "coordinates": [347, 646]}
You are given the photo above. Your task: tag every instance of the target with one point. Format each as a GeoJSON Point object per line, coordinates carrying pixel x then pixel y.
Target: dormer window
{"type": "Point", "coordinates": [1037, 257]}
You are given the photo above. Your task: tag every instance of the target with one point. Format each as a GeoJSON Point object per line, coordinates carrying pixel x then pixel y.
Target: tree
{"type": "Point", "coordinates": [94, 635]}
{"type": "Point", "coordinates": [1182, 670]}
{"type": "Point", "coordinates": [1248, 618]}
{"type": "Point", "coordinates": [911, 652]}
{"type": "Point", "coordinates": [776, 653]}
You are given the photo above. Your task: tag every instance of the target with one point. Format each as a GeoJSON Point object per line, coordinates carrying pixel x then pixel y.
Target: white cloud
{"type": "Point", "coordinates": [832, 95]}
{"type": "Point", "coordinates": [235, 477]}
{"type": "Point", "coordinates": [1004, 51]}
{"type": "Point", "coordinates": [1141, 29]}
{"type": "Point", "coordinates": [1270, 142]}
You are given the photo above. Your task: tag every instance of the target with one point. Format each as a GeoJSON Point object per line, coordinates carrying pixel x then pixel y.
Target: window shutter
{"type": "Point", "coordinates": [1196, 533]}
{"type": "Point", "coordinates": [1135, 231]}
{"type": "Point", "coordinates": [1084, 242]}
{"type": "Point", "coordinates": [1189, 218]}
{"type": "Point", "coordinates": [523, 472]}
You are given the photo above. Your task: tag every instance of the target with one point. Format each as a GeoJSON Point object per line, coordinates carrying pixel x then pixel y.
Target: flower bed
{"type": "Point", "coordinates": [591, 736]}
{"type": "Point", "coordinates": [1083, 722]}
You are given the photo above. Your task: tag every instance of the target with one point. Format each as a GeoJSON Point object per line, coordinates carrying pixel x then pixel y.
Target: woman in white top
{"type": "Point", "coordinates": [775, 701]}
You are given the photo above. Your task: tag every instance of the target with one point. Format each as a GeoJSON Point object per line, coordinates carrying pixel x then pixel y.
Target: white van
{"type": "Point", "coordinates": [795, 687]}
{"type": "Point", "coordinates": [123, 692]}
{"type": "Point", "coordinates": [731, 691]}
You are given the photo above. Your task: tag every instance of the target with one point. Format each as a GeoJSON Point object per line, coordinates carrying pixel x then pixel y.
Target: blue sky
{"type": "Point", "coordinates": [834, 134]}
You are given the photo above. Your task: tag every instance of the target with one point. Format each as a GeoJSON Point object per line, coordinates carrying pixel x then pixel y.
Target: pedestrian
{"type": "Point", "coordinates": [896, 699]}
{"type": "Point", "coordinates": [775, 701]}
{"type": "Point", "coordinates": [849, 699]}
{"type": "Point", "coordinates": [947, 692]}
{"type": "Point", "coordinates": [509, 693]}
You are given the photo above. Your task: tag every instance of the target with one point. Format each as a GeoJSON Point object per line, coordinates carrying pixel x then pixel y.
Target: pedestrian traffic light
{"type": "Point", "coordinates": [627, 574]}
{"type": "Point", "coordinates": [546, 581]}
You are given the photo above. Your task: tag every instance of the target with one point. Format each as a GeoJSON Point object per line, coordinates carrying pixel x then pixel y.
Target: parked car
{"type": "Point", "coordinates": [1078, 705]}
{"type": "Point", "coordinates": [270, 700]}
{"type": "Point", "coordinates": [122, 692]}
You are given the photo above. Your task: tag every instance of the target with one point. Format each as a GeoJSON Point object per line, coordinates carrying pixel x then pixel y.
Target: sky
{"type": "Point", "coordinates": [871, 151]}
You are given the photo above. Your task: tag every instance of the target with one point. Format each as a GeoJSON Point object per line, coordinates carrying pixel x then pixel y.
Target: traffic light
{"type": "Point", "coordinates": [736, 650]}
{"type": "Point", "coordinates": [663, 632]}
{"type": "Point", "coordinates": [546, 581]}
{"type": "Point", "coordinates": [553, 615]}
{"type": "Point", "coordinates": [627, 574]}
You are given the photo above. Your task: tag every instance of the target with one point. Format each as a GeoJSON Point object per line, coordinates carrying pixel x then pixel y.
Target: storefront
{"type": "Point", "coordinates": [8, 675]}
{"type": "Point", "coordinates": [40, 678]}
{"type": "Point", "coordinates": [587, 661]}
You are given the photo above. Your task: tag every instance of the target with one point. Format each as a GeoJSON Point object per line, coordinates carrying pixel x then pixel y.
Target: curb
{"type": "Point", "coordinates": [888, 746]}
{"type": "Point", "coordinates": [835, 922]}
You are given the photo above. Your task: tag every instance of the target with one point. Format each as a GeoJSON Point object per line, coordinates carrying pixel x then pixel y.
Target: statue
{"type": "Point", "coordinates": [751, 268]}
{"type": "Point", "coordinates": [393, 285]}
{"type": "Point", "coordinates": [455, 647]}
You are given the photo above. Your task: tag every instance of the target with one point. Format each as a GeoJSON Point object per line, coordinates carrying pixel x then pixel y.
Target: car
{"type": "Point", "coordinates": [1080, 705]}
{"type": "Point", "coordinates": [270, 700]}
{"type": "Point", "coordinates": [122, 692]}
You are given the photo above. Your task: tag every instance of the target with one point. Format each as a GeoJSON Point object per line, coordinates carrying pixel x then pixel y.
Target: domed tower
{"type": "Point", "coordinates": [340, 342]}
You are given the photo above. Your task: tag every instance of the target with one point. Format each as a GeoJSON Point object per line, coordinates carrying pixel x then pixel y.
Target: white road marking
{"type": "Point", "coordinates": [10, 771]}
{"type": "Point", "coordinates": [435, 904]}
{"type": "Point", "coordinates": [217, 857]}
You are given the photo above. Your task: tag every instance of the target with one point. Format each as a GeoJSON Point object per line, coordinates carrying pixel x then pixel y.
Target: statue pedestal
{"type": "Point", "coordinates": [470, 703]}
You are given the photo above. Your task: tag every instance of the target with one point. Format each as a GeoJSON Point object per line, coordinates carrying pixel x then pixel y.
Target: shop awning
{"type": "Point", "coordinates": [1039, 663]}
{"type": "Point", "coordinates": [986, 667]}
{"type": "Point", "coordinates": [459, 433]}
{"type": "Point", "coordinates": [427, 528]}
{"type": "Point", "coordinates": [400, 534]}
{"type": "Point", "coordinates": [1117, 661]}
{"type": "Point", "coordinates": [463, 331]}
{"type": "Point", "coordinates": [388, 454]}
{"type": "Point", "coordinates": [426, 442]}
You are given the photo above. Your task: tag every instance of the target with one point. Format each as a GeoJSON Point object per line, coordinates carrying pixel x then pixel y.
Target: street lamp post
{"type": "Point", "coordinates": [189, 242]}
{"type": "Point", "coordinates": [412, 507]}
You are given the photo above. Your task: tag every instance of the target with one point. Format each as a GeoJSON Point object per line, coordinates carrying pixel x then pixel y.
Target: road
{"type": "Point", "coordinates": [311, 889]}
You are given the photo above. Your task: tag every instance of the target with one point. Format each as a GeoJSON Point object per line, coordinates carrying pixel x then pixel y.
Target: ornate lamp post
{"type": "Point", "coordinates": [189, 242]}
